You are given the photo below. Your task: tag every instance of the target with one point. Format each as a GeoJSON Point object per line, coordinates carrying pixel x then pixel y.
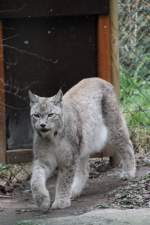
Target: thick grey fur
{"type": "Point", "coordinates": [83, 121]}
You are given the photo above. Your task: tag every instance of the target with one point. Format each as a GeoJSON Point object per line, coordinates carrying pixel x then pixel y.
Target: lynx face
{"type": "Point", "coordinates": [46, 113]}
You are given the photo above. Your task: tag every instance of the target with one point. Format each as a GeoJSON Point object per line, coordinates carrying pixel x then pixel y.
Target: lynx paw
{"type": "Point", "coordinates": [43, 202]}
{"type": "Point", "coordinates": [61, 204]}
{"type": "Point", "coordinates": [75, 194]}
{"type": "Point", "coordinates": [127, 175]}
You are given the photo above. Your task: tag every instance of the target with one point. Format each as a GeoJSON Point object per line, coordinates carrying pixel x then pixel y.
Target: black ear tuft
{"type": "Point", "coordinates": [58, 97]}
{"type": "Point", "coordinates": [33, 98]}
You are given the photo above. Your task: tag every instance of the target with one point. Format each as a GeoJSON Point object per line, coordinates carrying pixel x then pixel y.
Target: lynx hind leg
{"type": "Point", "coordinates": [125, 159]}
{"type": "Point", "coordinates": [81, 177]}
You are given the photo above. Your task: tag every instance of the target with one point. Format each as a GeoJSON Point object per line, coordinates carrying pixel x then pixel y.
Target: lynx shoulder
{"type": "Point", "coordinates": [67, 130]}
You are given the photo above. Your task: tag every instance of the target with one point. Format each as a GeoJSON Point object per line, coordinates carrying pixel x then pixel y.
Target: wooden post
{"type": "Point", "coordinates": [104, 60]}
{"type": "Point", "coordinates": [108, 56]}
{"type": "Point", "coordinates": [2, 101]}
{"type": "Point", "coordinates": [114, 43]}
{"type": "Point", "coordinates": [108, 46]}
{"type": "Point", "coordinates": [103, 48]}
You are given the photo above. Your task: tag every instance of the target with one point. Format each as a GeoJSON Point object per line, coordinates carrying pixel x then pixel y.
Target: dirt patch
{"type": "Point", "coordinates": [102, 191]}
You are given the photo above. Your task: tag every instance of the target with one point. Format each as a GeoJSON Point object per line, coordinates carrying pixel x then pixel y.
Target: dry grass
{"type": "Point", "coordinates": [140, 137]}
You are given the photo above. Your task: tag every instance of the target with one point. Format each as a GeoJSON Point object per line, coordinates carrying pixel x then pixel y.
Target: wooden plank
{"type": "Point", "coordinates": [114, 45]}
{"type": "Point", "coordinates": [36, 8]}
{"type": "Point", "coordinates": [19, 155]}
{"type": "Point", "coordinates": [26, 155]}
{"type": "Point", "coordinates": [2, 101]}
{"type": "Point", "coordinates": [106, 152]}
{"type": "Point", "coordinates": [104, 48]}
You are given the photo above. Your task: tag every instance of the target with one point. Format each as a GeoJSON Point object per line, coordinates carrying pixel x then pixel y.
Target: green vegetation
{"type": "Point", "coordinates": [134, 51]}
{"type": "Point", "coordinates": [3, 167]}
{"type": "Point", "coordinates": [135, 99]}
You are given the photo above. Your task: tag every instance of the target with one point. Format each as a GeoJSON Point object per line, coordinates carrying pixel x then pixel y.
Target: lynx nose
{"type": "Point", "coordinates": [43, 125]}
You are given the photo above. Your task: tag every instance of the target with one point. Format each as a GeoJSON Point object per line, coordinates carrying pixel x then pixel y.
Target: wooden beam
{"type": "Point", "coordinates": [106, 152]}
{"type": "Point", "coordinates": [2, 101]}
{"type": "Point", "coordinates": [108, 56]}
{"type": "Point", "coordinates": [114, 45]}
{"type": "Point", "coordinates": [26, 155]}
{"type": "Point", "coordinates": [104, 48]}
{"type": "Point", "coordinates": [19, 155]}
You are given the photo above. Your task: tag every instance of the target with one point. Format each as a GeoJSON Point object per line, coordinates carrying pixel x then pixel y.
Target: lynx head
{"type": "Point", "coordinates": [46, 113]}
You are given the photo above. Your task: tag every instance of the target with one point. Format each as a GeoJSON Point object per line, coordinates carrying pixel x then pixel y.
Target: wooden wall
{"type": "Point", "coordinates": [47, 48]}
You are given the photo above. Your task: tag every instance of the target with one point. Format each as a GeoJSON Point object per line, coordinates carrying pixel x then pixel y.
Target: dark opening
{"type": "Point", "coordinates": [43, 55]}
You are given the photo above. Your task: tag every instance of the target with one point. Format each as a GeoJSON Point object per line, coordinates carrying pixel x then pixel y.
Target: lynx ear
{"type": "Point", "coordinates": [58, 97]}
{"type": "Point", "coordinates": [33, 98]}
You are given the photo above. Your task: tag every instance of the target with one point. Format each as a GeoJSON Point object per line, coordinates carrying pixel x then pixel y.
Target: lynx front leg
{"type": "Point", "coordinates": [38, 185]}
{"type": "Point", "coordinates": [63, 188]}
{"type": "Point", "coordinates": [80, 178]}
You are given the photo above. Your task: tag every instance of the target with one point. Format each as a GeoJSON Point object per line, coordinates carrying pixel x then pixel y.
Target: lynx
{"type": "Point", "coordinates": [67, 130]}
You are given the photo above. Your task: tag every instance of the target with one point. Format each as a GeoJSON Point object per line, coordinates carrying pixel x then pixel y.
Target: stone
{"type": "Point", "coordinates": [98, 217]}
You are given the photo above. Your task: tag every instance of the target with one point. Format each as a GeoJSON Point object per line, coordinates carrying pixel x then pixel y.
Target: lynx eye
{"type": "Point", "coordinates": [37, 115]}
{"type": "Point", "coordinates": [50, 114]}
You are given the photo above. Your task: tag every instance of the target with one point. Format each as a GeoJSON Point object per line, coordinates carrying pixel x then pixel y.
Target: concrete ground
{"type": "Point", "coordinates": [19, 206]}
{"type": "Point", "coordinates": [99, 217]}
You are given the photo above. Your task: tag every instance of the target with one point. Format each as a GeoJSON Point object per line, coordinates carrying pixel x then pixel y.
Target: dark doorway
{"type": "Point", "coordinates": [43, 55]}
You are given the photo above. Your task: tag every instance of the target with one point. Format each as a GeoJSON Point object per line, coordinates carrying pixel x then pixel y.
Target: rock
{"type": "Point", "coordinates": [146, 161]}
{"type": "Point", "coordinates": [98, 217]}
